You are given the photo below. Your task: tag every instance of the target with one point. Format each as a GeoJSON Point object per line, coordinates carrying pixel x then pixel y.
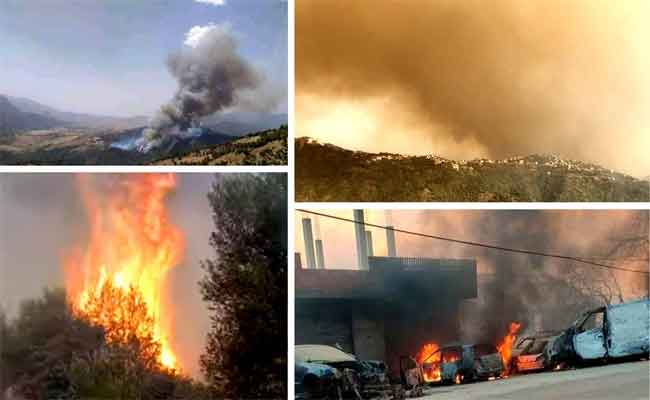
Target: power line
{"type": "Point", "coordinates": [477, 244]}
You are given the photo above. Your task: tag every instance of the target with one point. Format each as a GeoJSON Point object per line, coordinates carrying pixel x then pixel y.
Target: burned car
{"type": "Point", "coordinates": [458, 363]}
{"type": "Point", "coordinates": [617, 331]}
{"type": "Point", "coordinates": [527, 354]}
{"type": "Point", "coordinates": [357, 378]}
{"type": "Point", "coordinates": [313, 380]}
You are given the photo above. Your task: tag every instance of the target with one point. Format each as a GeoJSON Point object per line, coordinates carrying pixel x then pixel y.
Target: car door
{"type": "Point", "coordinates": [589, 340]}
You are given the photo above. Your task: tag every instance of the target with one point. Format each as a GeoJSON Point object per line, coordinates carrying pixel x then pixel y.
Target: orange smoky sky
{"type": "Point", "coordinates": [468, 79]}
{"type": "Point", "coordinates": [590, 234]}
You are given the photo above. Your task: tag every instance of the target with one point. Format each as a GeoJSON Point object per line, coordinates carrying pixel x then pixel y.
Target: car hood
{"type": "Point", "coordinates": [321, 354]}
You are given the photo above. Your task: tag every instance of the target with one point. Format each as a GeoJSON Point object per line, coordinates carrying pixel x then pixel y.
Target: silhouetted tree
{"type": "Point", "coordinates": [45, 337]}
{"type": "Point", "coordinates": [246, 288]}
{"type": "Point", "coordinates": [49, 352]}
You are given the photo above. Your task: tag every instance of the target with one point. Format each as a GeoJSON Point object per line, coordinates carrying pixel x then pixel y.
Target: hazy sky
{"type": "Point", "coordinates": [42, 217]}
{"type": "Point", "coordinates": [108, 57]}
{"type": "Point", "coordinates": [470, 78]}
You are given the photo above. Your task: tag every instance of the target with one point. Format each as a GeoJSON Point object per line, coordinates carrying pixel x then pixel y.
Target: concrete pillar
{"type": "Point", "coordinates": [320, 255]}
{"type": "Point", "coordinates": [309, 243]}
{"type": "Point", "coordinates": [368, 335]}
{"type": "Point", "coordinates": [360, 234]}
{"type": "Point", "coordinates": [371, 251]}
{"type": "Point", "coordinates": [390, 242]}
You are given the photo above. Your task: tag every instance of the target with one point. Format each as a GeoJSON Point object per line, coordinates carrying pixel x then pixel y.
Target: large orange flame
{"type": "Point", "coordinates": [132, 245]}
{"type": "Point", "coordinates": [430, 362]}
{"type": "Point", "coordinates": [505, 346]}
{"type": "Point", "coordinates": [426, 351]}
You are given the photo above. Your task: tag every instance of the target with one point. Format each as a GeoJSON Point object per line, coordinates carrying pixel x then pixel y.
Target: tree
{"type": "Point", "coordinates": [50, 352]}
{"type": "Point", "coordinates": [245, 286]}
{"type": "Point", "coordinates": [39, 344]}
{"type": "Point", "coordinates": [633, 244]}
{"type": "Point", "coordinates": [133, 352]}
{"type": "Point", "coordinates": [627, 244]}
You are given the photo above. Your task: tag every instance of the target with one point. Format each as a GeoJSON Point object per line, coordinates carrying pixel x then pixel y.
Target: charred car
{"type": "Point", "coordinates": [528, 353]}
{"type": "Point", "coordinates": [617, 331]}
{"type": "Point", "coordinates": [353, 378]}
{"type": "Point", "coordinates": [459, 363]}
{"type": "Point", "coordinates": [313, 381]}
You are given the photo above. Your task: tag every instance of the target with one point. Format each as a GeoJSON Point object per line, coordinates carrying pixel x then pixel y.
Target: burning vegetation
{"type": "Point", "coordinates": [109, 331]}
{"type": "Point", "coordinates": [117, 281]}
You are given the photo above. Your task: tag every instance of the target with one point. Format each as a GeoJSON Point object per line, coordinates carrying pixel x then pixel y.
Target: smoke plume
{"type": "Point", "coordinates": [212, 76]}
{"type": "Point", "coordinates": [466, 79]}
{"type": "Point", "coordinates": [541, 293]}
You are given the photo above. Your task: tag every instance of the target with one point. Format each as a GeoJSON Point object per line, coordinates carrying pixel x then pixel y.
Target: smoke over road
{"type": "Point", "coordinates": [466, 79]}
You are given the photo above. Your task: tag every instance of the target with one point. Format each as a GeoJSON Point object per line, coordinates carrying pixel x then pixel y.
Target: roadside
{"type": "Point", "coordinates": [626, 381]}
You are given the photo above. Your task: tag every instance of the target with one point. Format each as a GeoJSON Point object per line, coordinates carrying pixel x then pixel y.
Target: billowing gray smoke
{"type": "Point", "coordinates": [211, 76]}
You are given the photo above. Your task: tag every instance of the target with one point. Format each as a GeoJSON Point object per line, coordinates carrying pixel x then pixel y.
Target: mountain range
{"type": "Point", "coordinates": [18, 114]}
{"type": "Point", "coordinates": [64, 119]}
{"type": "Point", "coordinates": [12, 119]}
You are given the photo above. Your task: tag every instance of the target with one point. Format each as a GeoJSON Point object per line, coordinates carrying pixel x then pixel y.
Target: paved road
{"type": "Point", "coordinates": [628, 381]}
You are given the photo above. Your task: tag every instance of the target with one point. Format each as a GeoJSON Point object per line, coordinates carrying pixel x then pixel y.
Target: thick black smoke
{"type": "Point", "coordinates": [212, 76]}
{"type": "Point", "coordinates": [538, 292]}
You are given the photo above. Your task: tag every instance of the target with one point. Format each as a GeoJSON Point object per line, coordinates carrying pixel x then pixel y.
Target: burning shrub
{"type": "Point", "coordinates": [49, 351]}
{"type": "Point", "coordinates": [127, 324]}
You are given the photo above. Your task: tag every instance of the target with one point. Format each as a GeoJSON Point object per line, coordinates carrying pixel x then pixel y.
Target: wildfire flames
{"type": "Point", "coordinates": [117, 279]}
{"type": "Point", "coordinates": [505, 346]}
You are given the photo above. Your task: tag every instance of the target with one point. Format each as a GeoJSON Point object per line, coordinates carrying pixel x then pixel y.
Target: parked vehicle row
{"type": "Point", "coordinates": [608, 333]}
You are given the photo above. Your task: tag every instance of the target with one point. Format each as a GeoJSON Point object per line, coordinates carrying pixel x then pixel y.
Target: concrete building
{"type": "Point", "coordinates": [391, 309]}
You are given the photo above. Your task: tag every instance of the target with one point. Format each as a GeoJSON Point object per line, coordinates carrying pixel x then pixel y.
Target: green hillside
{"type": "Point", "coordinates": [328, 173]}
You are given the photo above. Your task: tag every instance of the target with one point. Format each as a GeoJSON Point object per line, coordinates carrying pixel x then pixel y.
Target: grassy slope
{"type": "Point", "coordinates": [260, 148]}
{"type": "Point", "coordinates": [330, 173]}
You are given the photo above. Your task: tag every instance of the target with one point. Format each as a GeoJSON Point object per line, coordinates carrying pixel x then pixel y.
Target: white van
{"type": "Point", "coordinates": [615, 331]}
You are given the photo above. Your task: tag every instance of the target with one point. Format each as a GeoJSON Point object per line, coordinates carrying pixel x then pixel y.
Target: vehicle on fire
{"type": "Point", "coordinates": [613, 332]}
{"type": "Point", "coordinates": [460, 363]}
{"type": "Point", "coordinates": [527, 354]}
{"type": "Point", "coordinates": [351, 378]}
